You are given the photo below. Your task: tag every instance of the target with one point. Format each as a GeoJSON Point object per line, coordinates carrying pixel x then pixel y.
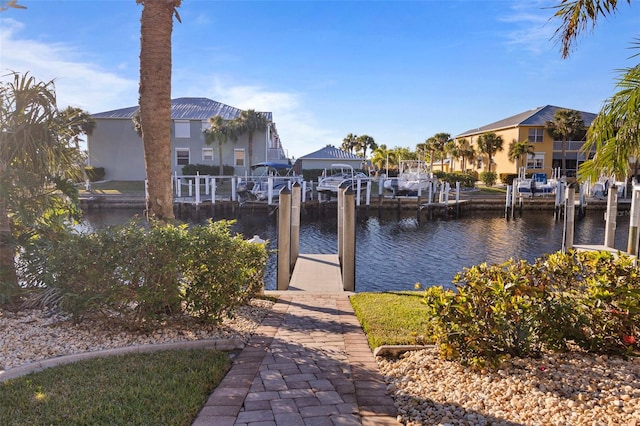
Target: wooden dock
{"type": "Point", "coordinates": [317, 273]}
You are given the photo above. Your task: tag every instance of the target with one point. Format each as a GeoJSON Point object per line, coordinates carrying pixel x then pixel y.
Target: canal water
{"type": "Point", "coordinates": [395, 252]}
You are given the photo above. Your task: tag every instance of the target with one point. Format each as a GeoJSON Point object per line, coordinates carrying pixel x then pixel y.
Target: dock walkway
{"type": "Point", "coordinates": [308, 363]}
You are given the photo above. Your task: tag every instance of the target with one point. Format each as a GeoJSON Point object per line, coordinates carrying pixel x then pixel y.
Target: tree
{"type": "Point", "coordinates": [566, 124]}
{"type": "Point", "coordinates": [156, 26]}
{"type": "Point", "coordinates": [489, 143]}
{"type": "Point", "coordinates": [40, 161]}
{"type": "Point", "coordinates": [220, 131]}
{"type": "Point", "coordinates": [439, 142]}
{"type": "Point", "coordinates": [613, 134]}
{"type": "Point", "coordinates": [250, 122]}
{"type": "Point", "coordinates": [429, 146]}
{"type": "Point", "coordinates": [467, 152]}
{"type": "Point", "coordinates": [349, 143]}
{"type": "Point", "coordinates": [453, 151]}
{"type": "Point", "coordinates": [518, 150]}
{"type": "Point", "coordinates": [384, 158]}
{"type": "Point", "coordinates": [365, 142]}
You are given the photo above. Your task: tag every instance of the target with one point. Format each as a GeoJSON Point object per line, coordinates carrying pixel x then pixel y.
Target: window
{"type": "Point", "coordinates": [182, 156]}
{"type": "Point", "coordinates": [207, 154]}
{"type": "Point", "coordinates": [536, 135]}
{"type": "Point", "coordinates": [535, 162]}
{"type": "Point", "coordinates": [205, 125]}
{"type": "Point", "coordinates": [182, 129]}
{"type": "Point", "coordinates": [238, 156]}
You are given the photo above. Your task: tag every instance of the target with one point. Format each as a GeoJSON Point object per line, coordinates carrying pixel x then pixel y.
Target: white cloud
{"type": "Point", "coordinates": [298, 129]}
{"type": "Point", "coordinates": [78, 83]}
{"type": "Point", "coordinates": [532, 29]}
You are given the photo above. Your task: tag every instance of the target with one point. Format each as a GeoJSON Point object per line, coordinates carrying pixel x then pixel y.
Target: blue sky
{"type": "Point", "coordinates": [399, 71]}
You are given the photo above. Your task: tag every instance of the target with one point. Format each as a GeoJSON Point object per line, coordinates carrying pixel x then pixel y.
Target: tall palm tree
{"type": "Point", "coordinates": [220, 131]}
{"type": "Point", "coordinates": [453, 151]}
{"type": "Point", "coordinates": [383, 157]}
{"type": "Point", "coordinates": [349, 143]}
{"type": "Point", "coordinates": [613, 134]}
{"type": "Point", "coordinates": [489, 143]}
{"type": "Point", "coordinates": [467, 152]}
{"type": "Point", "coordinates": [565, 124]}
{"type": "Point", "coordinates": [249, 122]}
{"type": "Point", "coordinates": [365, 142]}
{"type": "Point", "coordinates": [39, 161]}
{"type": "Point", "coordinates": [518, 150]}
{"type": "Point", "coordinates": [439, 142]}
{"type": "Point", "coordinates": [156, 26]}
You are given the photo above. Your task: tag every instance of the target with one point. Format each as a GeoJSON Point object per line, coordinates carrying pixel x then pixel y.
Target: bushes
{"type": "Point", "coordinates": [94, 174]}
{"type": "Point", "coordinates": [138, 276]}
{"type": "Point", "coordinates": [488, 178]}
{"type": "Point", "coordinates": [205, 169]}
{"type": "Point", "coordinates": [587, 299]}
{"type": "Point", "coordinates": [466, 180]}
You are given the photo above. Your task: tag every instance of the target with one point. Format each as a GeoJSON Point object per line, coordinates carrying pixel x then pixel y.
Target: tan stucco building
{"type": "Point", "coordinates": [532, 126]}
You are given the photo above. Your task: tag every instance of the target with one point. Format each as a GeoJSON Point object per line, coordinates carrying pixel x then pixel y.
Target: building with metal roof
{"type": "Point", "coordinates": [530, 126]}
{"type": "Point", "coordinates": [115, 145]}
{"type": "Point", "coordinates": [324, 157]}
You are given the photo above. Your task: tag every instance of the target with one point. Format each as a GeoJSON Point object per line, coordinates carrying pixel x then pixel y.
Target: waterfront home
{"type": "Point", "coordinates": [532, 126]}
{"type": "Point", "coordinates": [325, 157]}
{"type": "Point", "coordinates": [116, 146]}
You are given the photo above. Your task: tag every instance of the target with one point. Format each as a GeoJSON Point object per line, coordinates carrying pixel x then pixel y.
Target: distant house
{"type": "Point", "coordinates": [115, 145]}
{"type": "Point", "coordinates": [531, 126]}
{"type": "Point", "coordinates": [325, 157]}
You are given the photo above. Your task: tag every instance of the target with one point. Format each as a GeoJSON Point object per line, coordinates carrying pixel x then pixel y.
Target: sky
{"type": "Point", "coordinates": [399, 71]}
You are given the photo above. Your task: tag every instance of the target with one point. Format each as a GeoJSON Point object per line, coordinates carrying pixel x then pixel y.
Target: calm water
{"type": "Point", "coordinates": [394, 253]}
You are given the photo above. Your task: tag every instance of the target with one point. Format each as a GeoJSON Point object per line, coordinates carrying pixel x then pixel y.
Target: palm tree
{"type": "Point", "coordinates": [365, 142]}
{"type": "Point", "coordinates": [453, 151]}
{"type": "Point", "coordinates": [566, 123]}
{"type": "Point", "coordinates": [467, 152]}
{"type": "Point", "coordinates": [489, 143]}
{"type": "Point", "coordinates": [220, 131]}
{"type": "Point", "coordinates": [382, 157]}
{"type": "Point", "coordinates": [39, 161]}
{"type": "Point", "coordinates": [439, 142]}
{"type": "Point", "coordinates": [613, 134]}
{"type": "Point", "coordinates": [349, 143]}
{"type": "Point", "coordinates": [156, 26]}
{"type": "Point", "coordinates": [249, 122]}
{"type": "Point", "coordinates": [518, 150]}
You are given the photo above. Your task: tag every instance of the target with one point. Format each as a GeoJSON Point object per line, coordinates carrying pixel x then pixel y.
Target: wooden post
{"type": "Point", "coordinates": [234, 193]}
{"type": "Point", "coordinates": [507, 204]}
{"type": "Point", "coordinates": [611, 214]}
{"type": "Point", "coordinates": [632, 245]}
{"type": "Point", "coordinates": [284, 240]}
{"type": "Point", "coordinates": [349, 242]}
{"type": "Point", "coordinates": [341, 190]}
{"type": "Point", "coordinates": [214, 187]}
{"type": "Point", "coordinates": [569, 216]}
{"type": "Point", "coordinates": [296, 199]}
{"type": "Point", "coordinates": [197, 184]}
{"type": "Point", "coordinates": [457, 198]}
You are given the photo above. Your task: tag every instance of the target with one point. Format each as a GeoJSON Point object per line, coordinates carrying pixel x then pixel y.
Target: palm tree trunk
{"type": "Point", "coordinates": [564, 157]}
{"type": "Point", "coordinates": [250, 150]}
{"type": "Point", "coordinates": [221, 169]}
{"type": "Point", "coordinates": [155, 104]}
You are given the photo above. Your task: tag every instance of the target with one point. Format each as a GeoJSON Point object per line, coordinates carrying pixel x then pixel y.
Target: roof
{"type": "Point", "coordinates": [185, 109]}
{"type": "Point", "coordinates": [535, 118]}
{"type": "Point", "coordinates": [330, 153]}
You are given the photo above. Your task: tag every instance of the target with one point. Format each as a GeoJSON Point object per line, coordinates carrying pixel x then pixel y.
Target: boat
{"type": "Point", "coordinates": [338, 174]}
{"type": "Point", "coordinates": [257, 185]}
{"type": "Point", "coordinates": [538, 184]}
{"type": "Point", "coordinates": [413, 175]}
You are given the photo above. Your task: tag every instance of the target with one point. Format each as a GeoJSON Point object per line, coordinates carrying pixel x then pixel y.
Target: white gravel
{"type": "Point", "coordinates": [30, 336]}
{"type": "Point", "coordinates": [557, 389]}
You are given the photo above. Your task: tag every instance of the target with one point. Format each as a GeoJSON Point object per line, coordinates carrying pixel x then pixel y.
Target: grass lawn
{"type": "Point", "coordinates": [159, 388]}
{"type": "Point", "coordinates": [391, 318]}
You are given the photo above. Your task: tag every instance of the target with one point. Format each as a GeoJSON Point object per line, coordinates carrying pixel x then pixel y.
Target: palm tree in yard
{"type": "Point", "coordinates": [565, 124]}
{"type": "Point", "coordinates": [349, 143]}
{"type": "Point", "coordinates": [614, 133]}
{"type": "Point", "coordinates": [489, 143]}
{"type": "Point", "coordinates": [439, 142]}
{"type": "Point", "coordinates": [156, 26]}
{"type": "Point", "coordinates": [39, 162]}
{"type": "Point", "coordinates": [467, 152]}
{"type": "Point", "coordinates": [365, 142]}
{"type": "Point", "coordinates": [249, 122]}
{"type": "Point", "coordinates": [518, 150]}
{"type": "Point", "coordinates": [453, 151]}
{"type": "Point", "coordinates": [220, 131]}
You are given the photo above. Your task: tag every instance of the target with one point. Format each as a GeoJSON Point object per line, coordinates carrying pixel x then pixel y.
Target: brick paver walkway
{"type": "Point", "coordinates": [307, 364]}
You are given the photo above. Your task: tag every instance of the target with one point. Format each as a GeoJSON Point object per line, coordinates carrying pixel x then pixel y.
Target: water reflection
{"type": "Point", "coordinates": [394, 253]}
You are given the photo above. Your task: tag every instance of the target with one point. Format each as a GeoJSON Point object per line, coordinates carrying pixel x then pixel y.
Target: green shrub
{"type": "Point", "coordinates": [466, 180]}
{"type": "Point", "coordinates": [139, 276]}
{"type": "Point", "coordinates": [94, 174]}
{"type": "Point", "coordinates": [591, 299]}
{"type": "Point", "coordinates": [507, 178]}
{"type": "Point", "coordinates": [488, 178]}
{"type": "Point", "coordinates": [207, 169]}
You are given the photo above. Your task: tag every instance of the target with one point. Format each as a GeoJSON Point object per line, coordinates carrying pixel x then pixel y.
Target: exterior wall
{"type": "Point", "coordinates": [325, 164]}
{"type": "Point", "coordinates": [116, 146]}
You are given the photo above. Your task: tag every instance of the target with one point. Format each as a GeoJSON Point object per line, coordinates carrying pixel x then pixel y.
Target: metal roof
{"type": "Point", "coordinates": [535, 117]}
{"type": "Point", "coordinates": [186, 109]}
{"type": "Point", "coordinates": [330, 153]}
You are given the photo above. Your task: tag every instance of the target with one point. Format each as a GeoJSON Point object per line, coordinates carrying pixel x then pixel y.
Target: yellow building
{"type": "Point", "coordinates": [532, 126]}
